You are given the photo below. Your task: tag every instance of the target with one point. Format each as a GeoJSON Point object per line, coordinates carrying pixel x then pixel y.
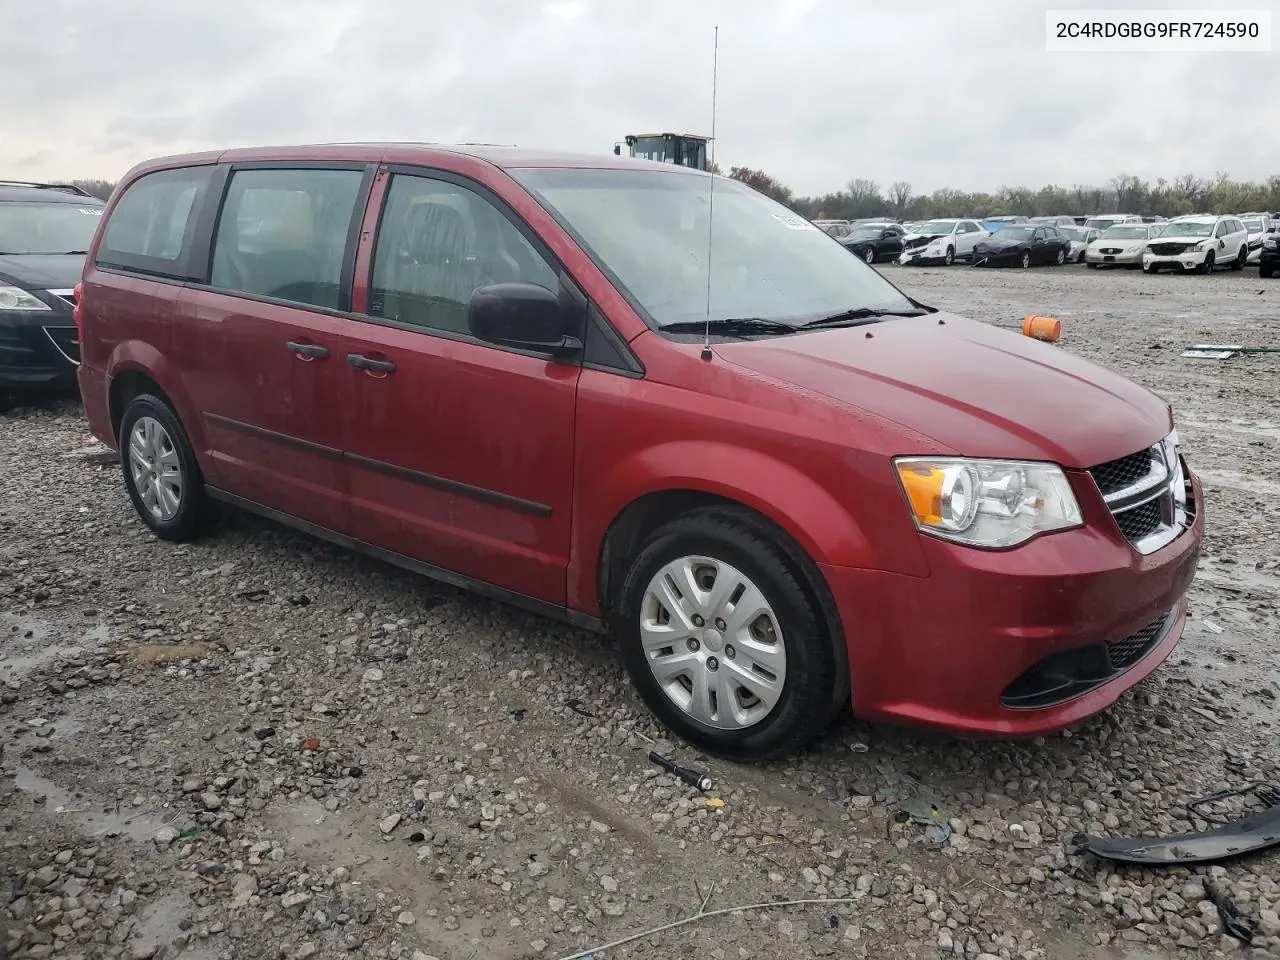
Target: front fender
{"type": "Point", "coordinates": [797, 503]}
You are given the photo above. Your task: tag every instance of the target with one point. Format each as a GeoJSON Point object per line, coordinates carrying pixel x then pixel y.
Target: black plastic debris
{"type": "Point", "coordinates": [1257, 831]}
{"type": "Point", "coordinates": [355, 773]}
{"type": "Point", "coordinates": [575, 705]}
{"type": "Point", "coordinates": [1233, 922]}
{"type": "Point", "coordinates": [517, 714]}
{"type": "Point", "coordinates": [299, 600]}
{"type": "Point", "coordinates": [693, 778]}
{"type": "Point", "coordinates": [266, 733]}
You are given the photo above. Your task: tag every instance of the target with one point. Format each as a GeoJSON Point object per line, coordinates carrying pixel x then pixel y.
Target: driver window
{"type": "Point", "coordinates": [439, 241]}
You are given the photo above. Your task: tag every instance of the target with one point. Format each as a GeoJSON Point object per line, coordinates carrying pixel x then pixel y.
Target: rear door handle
{"type": "Point", "coordinates": [361, 362]}
{"type": "Point", "coordinates": [308, 351]}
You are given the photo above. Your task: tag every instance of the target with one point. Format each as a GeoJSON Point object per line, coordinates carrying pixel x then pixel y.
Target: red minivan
{"type": "Point", "coordinates": [651, 402]}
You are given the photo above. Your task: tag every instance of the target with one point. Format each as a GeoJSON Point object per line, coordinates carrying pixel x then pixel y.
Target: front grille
{"type": "Point", "coordinates": [1142, 521]}
{"type": "Point", "coordinates": [1123, 654]}
{"type": "Point", "coordinates": [1167, 249]}
{"type": "Point", "coordinates": [1110, 249]}
{"type": "Point", "coordinates": [1115, 475]}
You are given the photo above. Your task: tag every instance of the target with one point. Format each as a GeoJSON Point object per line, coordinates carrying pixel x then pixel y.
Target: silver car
{"type": "Point", "coordinates": [1120, 245]}
{"type": "Point", "coordinates": [1080, 238]}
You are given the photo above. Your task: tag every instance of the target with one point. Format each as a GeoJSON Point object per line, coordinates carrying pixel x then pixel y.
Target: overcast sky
{"type": "Point", "coordinates": [815, 92]}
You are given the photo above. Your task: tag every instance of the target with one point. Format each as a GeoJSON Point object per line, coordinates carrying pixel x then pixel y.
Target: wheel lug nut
{"type": "Point", "coordinates": [720, 624]}
{"type": "Point", "coordinates": [694, 645]}
{"type": "Point", "coordinates": [698, 621]}
{"type": "Point", "coordinates": [730, 652]}
{"type": "Point", "coordinates": [713, 663]}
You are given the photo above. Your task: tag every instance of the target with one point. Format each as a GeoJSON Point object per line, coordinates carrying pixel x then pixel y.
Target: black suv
{"type": "Point", "coordinates": [45, 229]}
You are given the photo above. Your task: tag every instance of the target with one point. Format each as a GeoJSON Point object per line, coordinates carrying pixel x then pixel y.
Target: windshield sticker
{"type": "Point", "coordinates": [793, 222]}
{"type": "Point", "coordinates": [91, 211]}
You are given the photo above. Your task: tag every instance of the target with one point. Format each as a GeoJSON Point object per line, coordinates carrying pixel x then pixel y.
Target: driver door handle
{"type": "Point", "coordinates": [308, 351]}
{"type": "Point", "coordinates": [361, 362]}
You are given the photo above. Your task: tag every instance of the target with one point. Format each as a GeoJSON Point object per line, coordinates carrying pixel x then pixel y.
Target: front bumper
{"type": "Point", "coordinates": [38, 348]}
{"type": "Point", "coordinates": [918, 255]}
{"type": "Point", "coordinates": [952, 650]}
{"type": "Point", "coordinates": [1187, 260]}
{"type": "Point", "coordinates": [1114, 259]}
{"type": "Point", "coordinates": [997, 258]}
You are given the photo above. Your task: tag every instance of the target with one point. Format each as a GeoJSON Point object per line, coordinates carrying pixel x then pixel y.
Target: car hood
{"type": "Point", "coordinates": [42, 271]}
{"type": "Point", "coordinates": [975, 389]}
{"type": "Point", "coordinates": [997, 242]}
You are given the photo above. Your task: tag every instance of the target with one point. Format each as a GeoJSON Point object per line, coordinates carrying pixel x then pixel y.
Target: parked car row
{"type": "Point", "coordinates": [1196, 242]}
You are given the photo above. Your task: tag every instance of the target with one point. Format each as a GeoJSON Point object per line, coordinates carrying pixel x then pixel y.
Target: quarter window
{"type": "Point", "coordinates": [283, 234]}
{"type": "Point", "coordinates": [439, 241]}
{"type": "Point", "coordinates": [150, 228]}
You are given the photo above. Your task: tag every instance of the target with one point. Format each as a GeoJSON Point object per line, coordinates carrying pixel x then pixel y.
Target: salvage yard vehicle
{"type": "Point", "coordinates": [1080, 238]}
{"type": "Point", "coordinates": [1199, 244]}
{"type": "Point", "coordinates": [873, 241]}
{"type": "Point", "coordinates": [941, 241]}
{"type": "Point", "coordinates": [834, 228]}
{"type": "Point", "coordinates": [1269, 255]}
{"type": "Point", "coordinates": [1102, 221]}
{"type": "Point", "coordinates": [483, 364]}
{"type": "Point", "coordinates": [1022, 244]}
{"type": "Point", "coordinates": [45, 229]}
{"type": "Point", "coordinates": [1257, 229]}
{"type": "Point", "coordinates": [1120, 246]}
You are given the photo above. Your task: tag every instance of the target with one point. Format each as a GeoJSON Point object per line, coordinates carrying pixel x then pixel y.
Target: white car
{"type": "Point", "coordinates": [1257, 227]}
{"type": "Point", "coordinates": [1200, 243]}
{"type": "Point", "coordinates": [1104, 220]}
{"type": "Point", "coordinates": [1121, 245]}
{"type": "Point", "coordinates": [941, 241]}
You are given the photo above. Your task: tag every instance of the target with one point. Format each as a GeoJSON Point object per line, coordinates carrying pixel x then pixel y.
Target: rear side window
{"type": "Point", "coordinates": [284, 234]}
{"type": "Point", "coordinates": [150, 230]}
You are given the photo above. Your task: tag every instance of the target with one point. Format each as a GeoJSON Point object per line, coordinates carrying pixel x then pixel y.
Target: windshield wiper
{"type": "Point", "coordinates": [731, 326]}
{"type": "Point", "coordinates": [858, 317]}
{"type": "Point", "coordinates": [69, 253]}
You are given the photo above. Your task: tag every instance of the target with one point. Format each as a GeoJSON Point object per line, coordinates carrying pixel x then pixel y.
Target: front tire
{"type": "Point", "coordinates": [1062, 256]}
{"type": "Point", "coordinates": [869, 255]}
{"type": "Point", "coordinates": [1241, 260]}
{"type": "Point", "coordinates": [161, 473]}
{"type": "Point", "coordinates": [950, 257]}
{"type": "Point", "coordinates": [1026, 260]}
{"type": "Point", "coordinates": [721, 639]}
{"type": "Point", "coordinates": [1207, 266]}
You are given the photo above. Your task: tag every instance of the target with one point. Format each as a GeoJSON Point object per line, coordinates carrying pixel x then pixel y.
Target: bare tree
{"type": "Point", "coordinates": [900, 194]}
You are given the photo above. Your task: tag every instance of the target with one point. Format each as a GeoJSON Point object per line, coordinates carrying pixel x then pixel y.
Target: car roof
{"type": "Point", "coordinates": [503, 157]}
{"type": "Point", "coordinates": [11, 191]}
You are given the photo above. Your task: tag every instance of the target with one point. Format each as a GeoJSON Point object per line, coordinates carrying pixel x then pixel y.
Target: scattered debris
{"type": "Point", "coordinates": [311, 745]}
{"type": "Point", "coordinates": [575, 705]}
{"type": "Point", "coordinates": [928, 812]}
{"type": "Point", "coordinates": [1257, 831]}
{"type": "Point", "coordinates": [858, 747]}
{"type": "Point", "coordinates": [266, 733]}
{"type": "Point", "coordinates": [715, 803]}
{"type": "Point", "coordinates": [299, 600]}
{"type": "Point", "coordinates": [1223, 351]}
{"type": "Point", "coordinates": [517, 713]}
{"type": "Point", "coordinates": [1233, 922]}
{"type": "Point", "coordinates": [692, 777]}
{"type": "Point", "coordinates": [1212, 627]}
{"type": "Point", "coordinates": [257, 593]}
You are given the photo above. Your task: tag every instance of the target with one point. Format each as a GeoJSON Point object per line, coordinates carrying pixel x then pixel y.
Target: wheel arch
{"type": "Point", "coordinates": [136, 367]}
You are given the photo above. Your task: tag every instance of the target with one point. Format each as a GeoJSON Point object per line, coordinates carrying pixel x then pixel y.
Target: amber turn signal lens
{"type": "Point", "coordinates": [923, 486]}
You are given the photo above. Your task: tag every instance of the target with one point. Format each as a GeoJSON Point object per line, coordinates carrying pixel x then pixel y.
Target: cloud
{"type": "Point", "coordinates": [816, 92]}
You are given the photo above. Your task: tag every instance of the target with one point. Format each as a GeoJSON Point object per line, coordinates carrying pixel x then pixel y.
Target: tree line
{"type": "Point", "coordinates": [1121, 194]}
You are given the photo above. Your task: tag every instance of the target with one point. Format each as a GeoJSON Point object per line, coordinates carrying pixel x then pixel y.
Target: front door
{"type": "Point", "coordinates": [460, 453]}
{"type": "Point", "coordinates": [272, 363]}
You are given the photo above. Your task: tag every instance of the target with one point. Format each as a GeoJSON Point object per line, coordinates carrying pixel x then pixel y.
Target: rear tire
{"type": "Point", "coordinates": [161, 473]}
{"type": "Point", "coordinates": [1062, 256]}
{"type": "Point", "coordinates": [1265, 273]}
{"type": "Point", "coordinates": [1241, 260]}
{"type": "Point", "coordinates": [710, 544]}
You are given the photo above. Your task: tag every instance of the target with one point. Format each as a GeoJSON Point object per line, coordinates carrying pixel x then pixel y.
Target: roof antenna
{"type": "Point", "coordinates": [711, 212]}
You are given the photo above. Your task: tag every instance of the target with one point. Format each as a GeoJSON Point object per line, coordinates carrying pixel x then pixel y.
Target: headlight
{"type": "Point", "coordinates": [1270, 243]}
{"type": "Point", "coordinates": [15, 298]}
{"type": "Point", "coordinates": [987, 503]}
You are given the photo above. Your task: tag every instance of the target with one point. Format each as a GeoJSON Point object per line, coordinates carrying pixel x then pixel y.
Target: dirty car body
{"type": "Point", "coordinates": [865, 508]}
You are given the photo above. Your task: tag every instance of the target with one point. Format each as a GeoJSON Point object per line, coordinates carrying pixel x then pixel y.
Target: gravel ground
{"type": "Point", "coordinates": [260, 746]}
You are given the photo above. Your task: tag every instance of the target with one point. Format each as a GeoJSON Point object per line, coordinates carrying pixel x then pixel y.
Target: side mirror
{"type": "Point", "coordinates": [617, 150]}
{"type": "Point", "coordinates": [886, 234]}
{"type": "Point", "coordinates": [522, 315]}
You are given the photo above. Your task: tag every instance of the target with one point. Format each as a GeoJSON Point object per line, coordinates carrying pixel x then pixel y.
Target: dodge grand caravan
{"type": "Point", "coordinates": [780, 483]}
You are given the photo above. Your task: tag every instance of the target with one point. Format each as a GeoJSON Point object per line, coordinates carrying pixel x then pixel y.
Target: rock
{"type": "Point", "coordinates": [211, 801]}
{"type": "Point", "coordinates": [557, 904]}
{"type": "Point", "coordinates": [165, 836]}
{"type": "Point", "coordinates": [246, 886]}
{"type": "Point", "coordinates": [406, 919]}
{"type": "Point", "coordinates": [536, 868]}
{"type": "Point", "coordinates": [608, 884]}
{"type": "Point", "coordinates": [305, 950]}
{"type": "Point", "coordinates": [419, 955]}
{"type": "Point", "coordinates": [373, 675]}
{"type": "Point", "coordinates": [389, 823]}
{"type": "Point", "coordinates": [295, 899]}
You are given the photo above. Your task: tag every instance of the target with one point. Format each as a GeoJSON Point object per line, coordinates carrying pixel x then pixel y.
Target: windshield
{"type": "Point", "coordinates": [1184, 228]}
{"type": "Point", "coordinates": [1073, 233]}
{"type": "Point", "coordinates": [939, 227]}
{"type": "Point", "coordinates": [1253, 226]}
{"type": "Point", "coordinates": [1015, 233]}
{"type": "Point", "coordinates": [47, 228]}
{"type": "Point", "coordinates": [864, 233]}
{"type": "Point", "coordinates": [650, 230]}
{"type": "Point", "coordinates": [1125, 233]}
{"type": "Point", "coordinates": [1101, 223]}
